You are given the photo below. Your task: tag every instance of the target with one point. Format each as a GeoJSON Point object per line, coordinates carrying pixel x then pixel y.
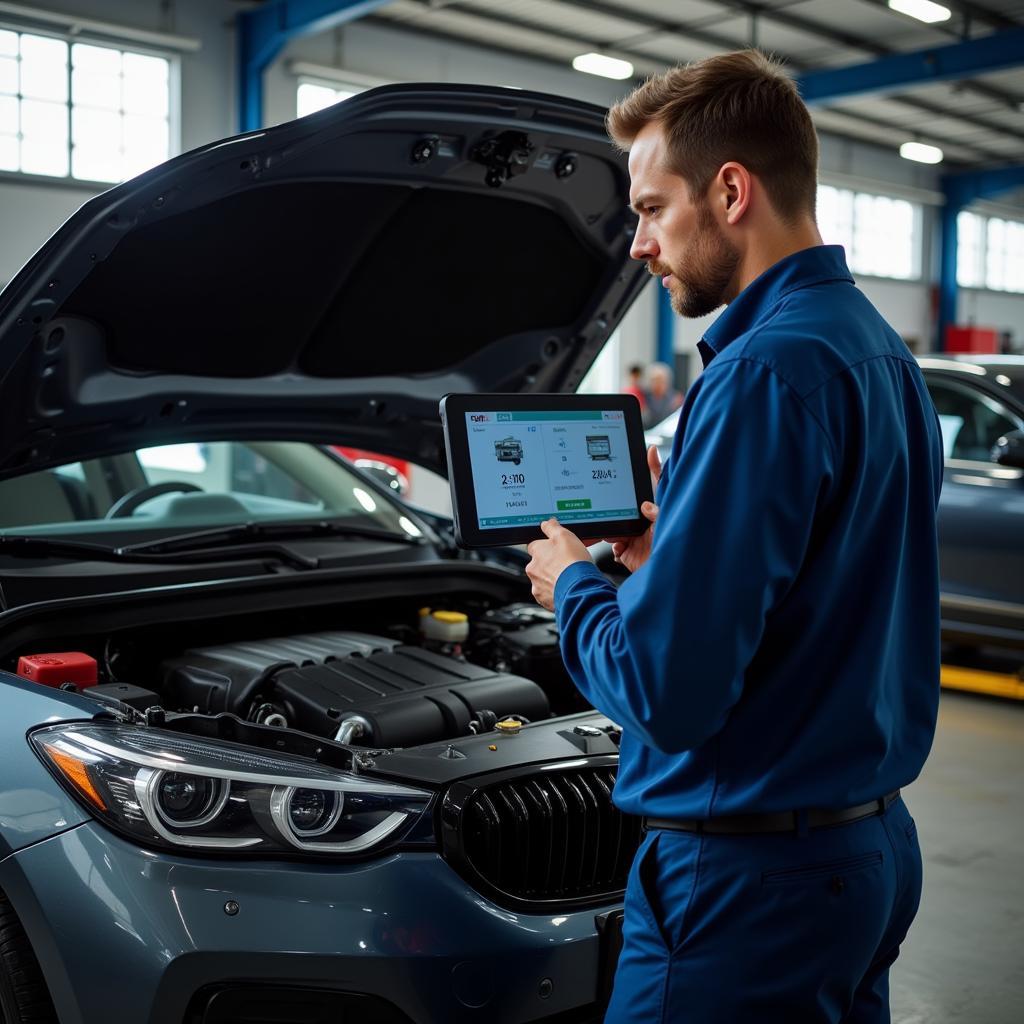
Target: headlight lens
{"type": "Point", "coordinates": [170, 790]}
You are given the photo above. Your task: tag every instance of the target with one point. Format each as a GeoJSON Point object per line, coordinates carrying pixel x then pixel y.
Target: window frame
{"type": "Point", "coordinates": [173, 58]}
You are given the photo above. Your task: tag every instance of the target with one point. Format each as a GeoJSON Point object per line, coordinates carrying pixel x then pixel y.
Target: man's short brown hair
{"type": "Point", "coordinates": [739, 106]}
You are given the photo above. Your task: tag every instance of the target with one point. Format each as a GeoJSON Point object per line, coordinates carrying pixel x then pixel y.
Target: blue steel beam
{"type": "Point", "coordinates": [938, 64]}
{"type": "Point", "coordinates": [960, 190]}
{"type": "Point", "coordinates": [265, 31]}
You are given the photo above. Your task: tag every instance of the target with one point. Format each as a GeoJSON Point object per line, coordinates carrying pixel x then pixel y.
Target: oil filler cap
{"type": "Point", "coordinates": [508, 726]}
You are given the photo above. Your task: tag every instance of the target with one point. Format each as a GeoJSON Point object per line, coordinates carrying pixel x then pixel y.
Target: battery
{"type": "Point", "coordinates": [59, 668]}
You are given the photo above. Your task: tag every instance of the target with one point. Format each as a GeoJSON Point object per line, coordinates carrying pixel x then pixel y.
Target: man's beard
{"type": "Point", "coordinates": [710, 269]}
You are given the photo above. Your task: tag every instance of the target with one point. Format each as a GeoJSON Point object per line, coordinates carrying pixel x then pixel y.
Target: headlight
{"type": "Point", "coordinates": [170, 790]}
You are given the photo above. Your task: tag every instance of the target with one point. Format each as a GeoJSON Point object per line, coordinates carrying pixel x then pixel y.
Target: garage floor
{"type": "Point", "coordinates": [964, 959]}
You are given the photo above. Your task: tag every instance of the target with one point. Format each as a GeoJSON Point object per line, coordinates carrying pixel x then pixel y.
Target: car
{"type": "Point", "coordinates": [509, 449]}
{"type": "Point", "coordinates": [980, 403]}
{"type": "Point", "coordinates": [272, 747]}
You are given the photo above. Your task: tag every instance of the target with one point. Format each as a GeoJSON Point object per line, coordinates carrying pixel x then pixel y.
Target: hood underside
{"type": "Point", "coordinates": [325, 280]}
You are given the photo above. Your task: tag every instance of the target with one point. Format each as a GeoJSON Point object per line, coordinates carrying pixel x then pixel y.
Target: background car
{"type": "Point", "coordinates": [980, 403]}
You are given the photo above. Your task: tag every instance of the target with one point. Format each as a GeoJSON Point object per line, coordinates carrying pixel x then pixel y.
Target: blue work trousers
{"type": "Point", "coordinates": [768, 928]}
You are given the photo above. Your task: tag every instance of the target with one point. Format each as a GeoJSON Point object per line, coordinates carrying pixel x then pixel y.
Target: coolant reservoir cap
{"type": "Point", "coordinates": [452, 617]}
{"type": "Point", "coordinates": [509, 726]}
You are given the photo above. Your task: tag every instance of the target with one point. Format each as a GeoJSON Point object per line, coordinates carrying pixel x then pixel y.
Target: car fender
{"type": "Point", "coordinates": [33, 807]}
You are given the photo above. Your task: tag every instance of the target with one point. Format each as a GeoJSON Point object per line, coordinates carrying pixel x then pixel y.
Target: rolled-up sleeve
{"type": "Point", "coordinates": [664, 655]}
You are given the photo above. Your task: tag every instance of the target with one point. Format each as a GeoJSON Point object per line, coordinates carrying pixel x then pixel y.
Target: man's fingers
{"type": "Point", "coordinates": [649, 511]}
{"type": "Point", "coordinates": [654, 464]}
{"type": "Point", "coordinates": [550, 527]}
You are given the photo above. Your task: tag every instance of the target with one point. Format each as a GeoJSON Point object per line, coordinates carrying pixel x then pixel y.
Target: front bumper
{"type": "Point", "coordinates": [133, 935]}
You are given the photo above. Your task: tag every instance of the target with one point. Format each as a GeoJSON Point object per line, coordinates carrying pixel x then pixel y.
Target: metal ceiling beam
{"type": "Point", "coordinates": [787, 20]}
{"type": "Point", "coordinates": [968, 12]}
{"type": "Point", "coordinates": [980, 152]}
{"type": "Point", "coordinates": [262, 33]}
{"type": "Point", "coordinates": [666, 25]}
{"type": "Point", "coordinates": [936, 64]}
{"type": "Point", "coordinates": [851, 41]}
{"type": "Point", "coordinates": [961, 190]}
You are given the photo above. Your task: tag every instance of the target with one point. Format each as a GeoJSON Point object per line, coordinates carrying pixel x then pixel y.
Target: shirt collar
{"type": "Point", "coordinates": [798, 270]}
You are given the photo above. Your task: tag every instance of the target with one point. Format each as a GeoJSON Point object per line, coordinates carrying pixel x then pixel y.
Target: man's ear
{"type": "Point", "coordinates": [734, 186]}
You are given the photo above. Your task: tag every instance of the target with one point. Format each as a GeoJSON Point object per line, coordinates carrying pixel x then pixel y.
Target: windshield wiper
{"type": "Point", "coordinates": [203, 540]}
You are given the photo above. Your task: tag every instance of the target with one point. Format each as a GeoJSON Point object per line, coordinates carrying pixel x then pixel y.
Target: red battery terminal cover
{"type": "Point", "coordinates": [57, 669]}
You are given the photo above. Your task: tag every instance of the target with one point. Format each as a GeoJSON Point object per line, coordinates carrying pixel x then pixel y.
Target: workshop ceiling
{"type": "Point", "coordinates": [977, 121]}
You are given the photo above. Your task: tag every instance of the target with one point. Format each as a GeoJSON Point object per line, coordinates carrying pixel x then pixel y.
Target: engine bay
{"type": "Point", "coordinates": [395, 675]}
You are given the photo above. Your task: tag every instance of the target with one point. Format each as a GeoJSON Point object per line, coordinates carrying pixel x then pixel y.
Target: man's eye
{"type": "Point", "coordinates": [652, 210]}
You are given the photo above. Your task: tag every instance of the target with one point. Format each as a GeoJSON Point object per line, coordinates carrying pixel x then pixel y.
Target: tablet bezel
{"type": "Point", "coordinates": [468, 534]}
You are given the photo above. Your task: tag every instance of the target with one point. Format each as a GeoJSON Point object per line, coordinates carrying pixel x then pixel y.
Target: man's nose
{"type": "Point", "coordinates": [644, 247]}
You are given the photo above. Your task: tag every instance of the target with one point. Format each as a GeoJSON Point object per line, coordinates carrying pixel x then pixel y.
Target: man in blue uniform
{"type": "Point", "coordinates": [774, 657]}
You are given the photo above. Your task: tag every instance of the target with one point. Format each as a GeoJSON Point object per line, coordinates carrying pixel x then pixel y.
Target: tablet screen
{"type": "Point", "coordinates": [529, 465]}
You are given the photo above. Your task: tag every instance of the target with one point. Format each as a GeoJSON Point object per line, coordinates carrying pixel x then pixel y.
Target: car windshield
{"type": "Point", "coordinates": [192, 486]}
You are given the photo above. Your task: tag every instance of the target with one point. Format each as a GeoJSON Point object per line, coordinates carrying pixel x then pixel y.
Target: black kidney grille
{"type": "Point", "coordinates": [551, 836]}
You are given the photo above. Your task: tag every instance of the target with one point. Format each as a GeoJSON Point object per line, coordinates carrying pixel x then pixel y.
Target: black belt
{"type": "Point", "coordinates": [783, 821]}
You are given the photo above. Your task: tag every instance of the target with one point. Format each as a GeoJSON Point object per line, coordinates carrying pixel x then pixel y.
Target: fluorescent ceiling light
{"type": "Point", "coordinates": [599, 64]}
{"type": "Point", "coordinates": [923, 10]}
{"type": "Point", "coordinates": [921, 152]}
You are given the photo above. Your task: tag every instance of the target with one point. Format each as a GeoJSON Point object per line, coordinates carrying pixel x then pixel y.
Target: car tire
{"type": "Point", "coordinates": [24, 998]}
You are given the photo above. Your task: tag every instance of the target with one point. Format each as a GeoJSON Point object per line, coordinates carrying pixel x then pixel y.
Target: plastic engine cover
{"type": "Point", "coordinates": [407, 694]}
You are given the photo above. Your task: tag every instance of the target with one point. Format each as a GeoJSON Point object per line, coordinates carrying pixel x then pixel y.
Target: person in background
{"type": "Point", "coordinates": [661, 397]}
{"type": "Point", "coordinates": [634, 384]}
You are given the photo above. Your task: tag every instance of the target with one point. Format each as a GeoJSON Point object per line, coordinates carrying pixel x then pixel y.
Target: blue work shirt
{"type": "Point", "coordinates": [780, 648]}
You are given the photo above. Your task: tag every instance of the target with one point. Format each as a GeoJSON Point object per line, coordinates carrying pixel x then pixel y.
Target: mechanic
{"type": "Point", "coordinates": [773, 658]}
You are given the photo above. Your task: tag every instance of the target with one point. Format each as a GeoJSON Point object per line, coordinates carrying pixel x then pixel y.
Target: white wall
{"type": "Point", "coordinates": [1001, 310]}
{"type": "Point", "coordinates": [29, 212]}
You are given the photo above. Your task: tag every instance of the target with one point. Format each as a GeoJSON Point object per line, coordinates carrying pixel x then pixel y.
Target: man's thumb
{"type": "Point", "coordinates": [650, 511]}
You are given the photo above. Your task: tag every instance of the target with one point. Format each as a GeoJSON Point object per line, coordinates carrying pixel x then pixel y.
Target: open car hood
{"type": "Point", "coordinates": [325, 280]}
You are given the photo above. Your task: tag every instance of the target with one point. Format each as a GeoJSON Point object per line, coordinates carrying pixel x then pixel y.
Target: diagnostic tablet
{"type": "Point", "coordinates": [515, 460]}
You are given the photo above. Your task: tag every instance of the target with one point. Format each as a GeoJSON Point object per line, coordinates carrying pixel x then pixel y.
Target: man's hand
{"type": "Point", "coordinates": [632, 552]}
{"type": "Point", "coordinates": [549, 557]}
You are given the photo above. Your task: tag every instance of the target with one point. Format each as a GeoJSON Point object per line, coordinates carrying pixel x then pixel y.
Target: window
{"type": "Point", "coordinates": [971, 422]}
{"type": "Point", "coordinates": [990, 252]}
{"type": "Point", "coordinates": [79, 110]}
{"type": "Point", "coordinates": [881, 235]}
{"type": "Point", "coordinates": [312, 96]}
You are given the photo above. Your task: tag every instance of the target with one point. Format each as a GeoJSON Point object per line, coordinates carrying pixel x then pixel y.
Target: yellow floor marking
{"type": "Point", "coordinates": [996, 684]}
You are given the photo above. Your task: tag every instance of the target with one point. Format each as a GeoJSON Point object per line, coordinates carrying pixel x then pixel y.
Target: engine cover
{"type": "Point", "coordinates": [408, 695]}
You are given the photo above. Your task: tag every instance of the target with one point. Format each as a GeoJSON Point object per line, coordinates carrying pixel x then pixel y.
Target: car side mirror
{"type": "Point", "coordinates": [1009, 449]}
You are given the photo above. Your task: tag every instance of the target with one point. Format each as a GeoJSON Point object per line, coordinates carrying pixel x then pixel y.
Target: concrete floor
{"type": "Point", "coordinates": [963, 962]}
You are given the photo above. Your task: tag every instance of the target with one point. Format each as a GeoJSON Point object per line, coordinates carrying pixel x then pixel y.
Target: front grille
{"type": "Point", "coordinates": [545, 837]}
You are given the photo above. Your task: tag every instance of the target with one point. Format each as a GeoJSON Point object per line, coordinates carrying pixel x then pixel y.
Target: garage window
{"type": "Point", "coordinates": [881, 234]}
{"type": "Point", "coordinates": [990, 252]}
{"type": "Point", "coordinates": [85, 111]}
{"type": "Point", "coordinates": [313, 95]}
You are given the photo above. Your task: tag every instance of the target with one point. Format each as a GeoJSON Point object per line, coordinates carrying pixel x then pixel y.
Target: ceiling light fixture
{"type": "Point", "coordinates": [606, 67]}
{"type": "Point", "coordinates": [921, 152]}
{"type": "Point", "coordinates": [923, 10]}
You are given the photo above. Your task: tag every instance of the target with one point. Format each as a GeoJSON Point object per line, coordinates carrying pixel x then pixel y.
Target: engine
{"type": "Point", "coordinates": [354, 687]}
{"type": "Point", "coordinates": [397, 675]}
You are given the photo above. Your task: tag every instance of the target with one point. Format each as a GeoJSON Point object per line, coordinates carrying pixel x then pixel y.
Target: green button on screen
{"type": "Point", "coordinates": [571, 503]}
